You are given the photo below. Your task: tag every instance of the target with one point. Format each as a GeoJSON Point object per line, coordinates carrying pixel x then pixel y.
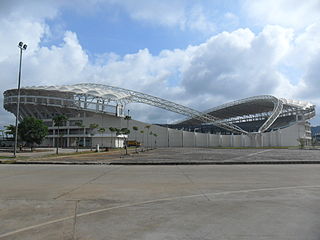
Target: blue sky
{"type": "Point", "coordinates": [197, 53]}
{"type": "Point", "coordinates": [108, 28]}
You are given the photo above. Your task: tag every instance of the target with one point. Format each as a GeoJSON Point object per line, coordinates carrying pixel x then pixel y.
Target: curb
{"type": "Point", "coordinates": [166, 163]}
{"type": "Point", "coordinates": [218, 163]}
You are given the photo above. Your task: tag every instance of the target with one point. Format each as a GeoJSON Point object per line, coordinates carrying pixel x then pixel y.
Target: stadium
{"type": "Point", "coordinates": [260, 121]}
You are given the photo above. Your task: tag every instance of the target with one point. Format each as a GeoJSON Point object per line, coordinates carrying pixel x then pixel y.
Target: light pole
{"type": "Point", "coordinates": [22, 46]}
{"type": "Point", "coordinates": [128, 117]}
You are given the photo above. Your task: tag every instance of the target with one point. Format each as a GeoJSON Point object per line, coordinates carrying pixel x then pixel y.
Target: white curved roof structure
{"type": "Point", "coordinates": [224, 116]}
{"type": "Point", "coordinates": [96, 90]}
{"type": "Point", "coordinates": [265, 107]}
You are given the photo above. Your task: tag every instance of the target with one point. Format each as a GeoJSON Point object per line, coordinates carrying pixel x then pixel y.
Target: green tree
{"type": "Point", "coordinates": [155, 139]}
{"type": "Point", "coordinates": [58, 121]}
{"type": "Point", "coordinates": [92, 127]}
{"type": "Point", "coordinates": [127, 118]}
{"type": "Point", "coordinates": [32, 130]}
{"type": "Point", "coordinates": [118, 131]}
{"type": "Point", "coordinates": [2, 133]}
{"type": "Point", "coordinates": [80, 125]}
{"type": "Point", "coordinates": [135, 129]}
{"type": "Point", "coordinates": [112, 130]}
{"type": "Point", "coordinates": [101, 131]}
{"type": "Point", "coordinates": [125, 131]}
{"type": "Point", "coordinates": [10, 130]}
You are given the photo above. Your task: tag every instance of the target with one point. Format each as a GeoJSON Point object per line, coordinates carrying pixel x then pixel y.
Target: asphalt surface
{"type": "Point", "coordinates": [162, 202]}
{"type": "Point", "coordinates": [221, 156]}
{"type": "Point", "coordinates": [183, 156]}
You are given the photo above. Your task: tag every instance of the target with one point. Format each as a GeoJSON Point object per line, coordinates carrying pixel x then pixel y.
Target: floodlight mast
{"type": "Point", "coordinates": [22, 46]}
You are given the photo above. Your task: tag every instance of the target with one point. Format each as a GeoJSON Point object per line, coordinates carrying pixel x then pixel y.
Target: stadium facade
{"type": "Point", "coordinates": [259, 121]}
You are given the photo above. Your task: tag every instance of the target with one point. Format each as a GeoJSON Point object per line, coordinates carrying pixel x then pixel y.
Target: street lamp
{"type": "Point", "coordinates": [128, 117]}
{"type": "Point", "coordinates": [22, 46]}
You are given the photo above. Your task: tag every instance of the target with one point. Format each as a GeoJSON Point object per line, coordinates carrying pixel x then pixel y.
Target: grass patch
{"type": "Point", "coordinates": [6, 157]}
{"type": "Point", "coordinates": [8, 161]}
{"type": "Point", "coordinates": [16, 158]}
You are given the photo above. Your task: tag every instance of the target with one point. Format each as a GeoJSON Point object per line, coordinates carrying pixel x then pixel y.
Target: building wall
{"type": "Point", "coordinates": [289, 136]}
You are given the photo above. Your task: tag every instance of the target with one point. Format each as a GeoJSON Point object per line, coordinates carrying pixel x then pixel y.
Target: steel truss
{"type": "Point", "coordinates": [138, 97]}
{"type": "Point", "coordinates": [277, 109]}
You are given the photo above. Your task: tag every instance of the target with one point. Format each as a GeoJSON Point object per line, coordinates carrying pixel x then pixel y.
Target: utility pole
{"type": "Point", "coordinates": [22, 46]}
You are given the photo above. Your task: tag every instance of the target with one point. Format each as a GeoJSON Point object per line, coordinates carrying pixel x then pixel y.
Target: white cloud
{"type": "Point", "coordinates": [238, 60]}
{"type": "Point", "coordinates": [156, 11]}
{"type": "Point", "coordinates": [13, 30]}
{"type": "Point", "coordinates": [199, 21]}
{"type": "Point", "coordinates": [36, 10]}
{"type": "Point", "coordinates": [307, 45]}
{"type": "Point", "coordinates": [228, 66]}
{"type": "Point", "coordinates": [58, 64]}
{"type": "Point", "coordinates": [176, 13]}
{"type": "Point", "coordinates": [288, 13]}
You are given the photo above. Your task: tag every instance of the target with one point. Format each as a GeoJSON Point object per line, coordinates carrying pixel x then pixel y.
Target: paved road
{"type": "Point", "coordinates": [160, 202]}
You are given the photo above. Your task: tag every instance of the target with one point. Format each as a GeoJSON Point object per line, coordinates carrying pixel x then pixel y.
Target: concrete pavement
{"type": "Point", "coordinates": [160, 202]}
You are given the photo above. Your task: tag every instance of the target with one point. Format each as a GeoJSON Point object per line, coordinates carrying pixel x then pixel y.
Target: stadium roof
{"type": "Point", "coordinates": [96, 90]}
{"type": "Point", "coordinates": [263, 106]}
{"type": "Point", "coordinates": [223, 116]}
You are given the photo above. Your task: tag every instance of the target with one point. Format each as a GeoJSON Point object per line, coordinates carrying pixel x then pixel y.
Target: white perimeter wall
{"type": "Point", "coordinates": [178, 138]}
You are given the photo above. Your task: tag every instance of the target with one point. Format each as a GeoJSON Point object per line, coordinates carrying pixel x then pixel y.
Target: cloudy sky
{"type": "Point", "coordinates": [196, 53]}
